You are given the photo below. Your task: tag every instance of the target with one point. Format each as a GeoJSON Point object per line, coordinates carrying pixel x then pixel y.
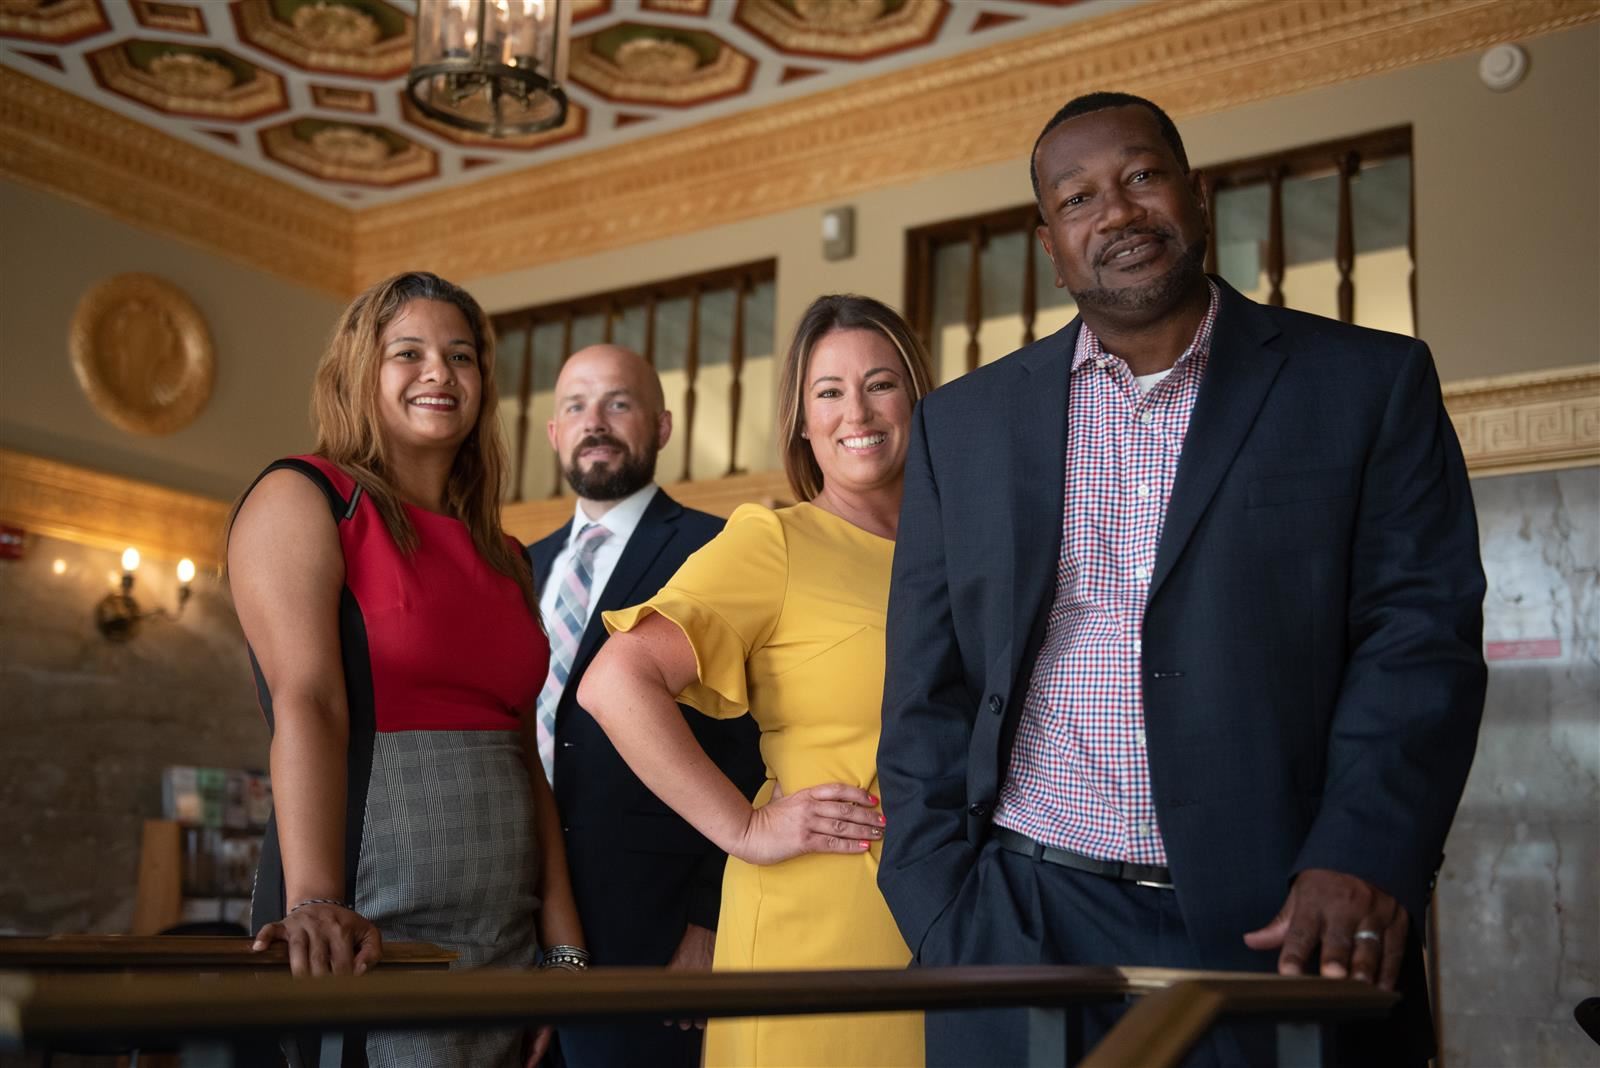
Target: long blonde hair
{"type": "Point", "coordinates": [843, 311]}
{"type": "Point", "coordinates": [344, 408]}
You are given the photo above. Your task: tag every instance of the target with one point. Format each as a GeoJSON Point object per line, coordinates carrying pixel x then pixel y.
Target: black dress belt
{"type": "Point", "coordinates": [1153, 875]}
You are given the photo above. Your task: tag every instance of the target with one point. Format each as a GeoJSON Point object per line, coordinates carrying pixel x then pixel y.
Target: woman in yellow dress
{"type": "Point", "coordinates": [782, 616]}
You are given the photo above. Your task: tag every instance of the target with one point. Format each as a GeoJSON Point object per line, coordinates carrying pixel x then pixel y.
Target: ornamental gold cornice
{"type": "Point", "coordinates": [979, 107]}
{"type": "Point", "coordinates": [91, 508]}
{"type": "Point", "coordinates": [1528, 422]}
{"type": "Point", "coordinates": [64, 145]}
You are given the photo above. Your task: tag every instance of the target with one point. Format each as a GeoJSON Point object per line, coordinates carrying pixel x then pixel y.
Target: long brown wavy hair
{"type": "Point", "coordinates": [344, 408]}
{"type": "Point", "coordinates": [844, 311]}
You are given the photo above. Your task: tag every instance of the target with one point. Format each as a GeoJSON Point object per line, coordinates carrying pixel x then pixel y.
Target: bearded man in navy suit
{"type": "Point", "coordinates": [1184, 647]}
{"type": "Point", "coordinates": [648, 885]}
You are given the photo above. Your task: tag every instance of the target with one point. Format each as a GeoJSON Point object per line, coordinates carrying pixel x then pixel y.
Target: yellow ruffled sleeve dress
{"type": "Point", "coordinates": [785, 611]}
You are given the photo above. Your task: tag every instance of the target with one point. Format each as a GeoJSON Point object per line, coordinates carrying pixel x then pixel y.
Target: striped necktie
{"type": "Point", "coordinates": [566, 630]}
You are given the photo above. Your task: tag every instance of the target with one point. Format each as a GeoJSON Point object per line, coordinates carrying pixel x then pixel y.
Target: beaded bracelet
{"type": "Point", "coordinates": [317, 901]}
{"type": "Point", "coordinates": [570, 958]}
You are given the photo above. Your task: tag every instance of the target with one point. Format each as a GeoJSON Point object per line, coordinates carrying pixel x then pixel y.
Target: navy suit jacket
{"type": "Point", "coordinates": [1312, 665]}
{"type": "Point", "coordinates": [639, 872]}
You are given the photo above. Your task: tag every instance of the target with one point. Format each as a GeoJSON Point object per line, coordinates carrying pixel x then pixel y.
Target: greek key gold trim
{"type": "Point", "coordinates": [1528, 422]}
{"type": "Point", "coordinates": [1544, 420]}
{"type": "Point", "coordinates": [979, 107]}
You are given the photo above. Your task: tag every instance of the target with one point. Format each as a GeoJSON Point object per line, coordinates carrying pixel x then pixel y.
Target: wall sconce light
{"type": "Point", "coordinates": [118, 615]}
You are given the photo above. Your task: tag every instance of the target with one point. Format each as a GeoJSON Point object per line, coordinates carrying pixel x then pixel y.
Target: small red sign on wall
{"type": "Point", "coordinates": [11, 543]}
{"type": "Point", "coordinates": [1536, 649]}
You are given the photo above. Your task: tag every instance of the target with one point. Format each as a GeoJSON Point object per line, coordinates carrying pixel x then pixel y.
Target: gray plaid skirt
{"type": "Point", "coordinates": [448, 856]}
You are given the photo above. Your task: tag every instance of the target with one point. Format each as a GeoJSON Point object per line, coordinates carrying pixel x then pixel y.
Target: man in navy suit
{"type": "Point", "coordinates": [1184, 647]}
{"type": "Point", "coordinates": [648, 885]}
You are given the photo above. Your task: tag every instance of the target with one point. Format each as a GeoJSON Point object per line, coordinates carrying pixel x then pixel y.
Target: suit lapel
{"type": "Point", "coordinates": [542, 553]}
{"type": "Point", "coordinates": [656, 528]}
{"type": "Point", "coordinates": [1038, 448]}
{"type": "Point", "coordinates": [1238, 375]}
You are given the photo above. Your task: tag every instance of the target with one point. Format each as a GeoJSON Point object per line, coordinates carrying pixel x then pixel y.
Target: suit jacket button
{"type": "Point", "coordinates": [979, 809]}
{"type": "Point", "coordinates": [995, 704]}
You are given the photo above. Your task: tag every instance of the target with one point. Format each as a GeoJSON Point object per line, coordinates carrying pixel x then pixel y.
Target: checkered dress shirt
{"type": "Point", "coordinates": [1079, 778]}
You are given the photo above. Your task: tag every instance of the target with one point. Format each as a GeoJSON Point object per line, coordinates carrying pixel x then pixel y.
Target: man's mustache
{"type": "Point", "coordinates": [1150, 231]}
{"type": "Point", "coordinates": [593, 440]}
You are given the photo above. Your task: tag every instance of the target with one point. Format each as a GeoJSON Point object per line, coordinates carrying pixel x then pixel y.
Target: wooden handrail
{"type": "Point", "coordinates": [40, 1009]}
{"type": "Point", "coordinates": [1159, 1029]}
{"type": "Point", "coordinates": [103, 953]}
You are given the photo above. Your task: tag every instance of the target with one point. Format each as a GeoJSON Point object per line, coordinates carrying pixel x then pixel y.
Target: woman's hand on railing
{"type": "Point", "coordinates": [325, 939]}
{"type": "Point", "coordinates": [832, 818]}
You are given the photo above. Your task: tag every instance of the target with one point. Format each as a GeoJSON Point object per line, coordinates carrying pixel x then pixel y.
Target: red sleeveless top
{"type": "Point", "coordinates": [451, 642]}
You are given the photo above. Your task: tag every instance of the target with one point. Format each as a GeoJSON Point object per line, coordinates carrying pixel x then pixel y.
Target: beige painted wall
{"type": "Point", "coordinates": [267, 333]}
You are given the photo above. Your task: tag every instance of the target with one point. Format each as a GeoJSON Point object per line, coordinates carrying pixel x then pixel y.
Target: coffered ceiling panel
{"type": "Point", "coordinates": [311, 92]}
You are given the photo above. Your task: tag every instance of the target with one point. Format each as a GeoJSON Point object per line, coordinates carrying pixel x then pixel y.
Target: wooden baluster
{"type": "Point", "coordinates": [974, 296]}
{"type": "Point", "coordinates": [1030, 303]}
{"type": "Point", "coordinates": [691, 369]}
{"type": "Point", "coordinates": [566, 350]}
{"type": "Point", "coordinates": [736, 366]}
{"type": "Point", "coordinates": [1210, 189]}
{"type": "Point", "coordinates": [650, 331]}
{"type": "Point", "coordinates": [524, 402]}
{"type": "Point", "coordinates": [1411, 245]}
{"type": "Point", "coordinates": [1275, 239]}
{"type": "Point", "coordinates": [607, 331]}
{"type": "Point", "coordinates": [1345, 251]}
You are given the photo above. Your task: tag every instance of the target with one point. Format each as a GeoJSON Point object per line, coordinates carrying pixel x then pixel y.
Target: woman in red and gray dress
{"type": "Point", "coordinates": [393, 631]}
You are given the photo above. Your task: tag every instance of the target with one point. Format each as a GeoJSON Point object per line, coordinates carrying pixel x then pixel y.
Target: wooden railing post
{"type": "Point", "coordinates": [691, 370]}
{"type": "Point", "coordinates": [1275, 253]}
{"type": "Point", "coordinates": [974, 296]}
{"type": "Point", "coordinates": [649, 353]}
{"type": "Point", "coordinates": [1030, 299]}
{"type": "Point", "coordinates": [1345, 246]}
{"type": "Point", "coordinates": [524, 402]}
{"type": "Point", "coordinates": [736, 369]}
{"type": "Point", "coordinates": [1210, 190]}
{"type": "Point", "coordinates": [566, 351]}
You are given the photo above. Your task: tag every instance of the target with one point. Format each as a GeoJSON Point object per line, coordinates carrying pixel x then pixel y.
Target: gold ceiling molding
{"type": "Point", "coordinates": [76, 504]}
{"type": "Point", "coordinates": [1540, 421]}
{"type": "Point", "coordinates": [65, 145]}
{"type": "Point", "coordinates": [1527, 422]}
{"type": "Point", "coordinates": [979, 107]}
{"type": "Point", "coordinates": [975, 108]}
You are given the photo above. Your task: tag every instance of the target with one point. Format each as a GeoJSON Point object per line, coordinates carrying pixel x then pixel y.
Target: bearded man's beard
{"type": "Point", "coordinates": [610, 481]}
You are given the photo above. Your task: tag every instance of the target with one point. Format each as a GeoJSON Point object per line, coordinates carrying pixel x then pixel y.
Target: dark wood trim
{"type": "Point", "coordinates": [614, 300]}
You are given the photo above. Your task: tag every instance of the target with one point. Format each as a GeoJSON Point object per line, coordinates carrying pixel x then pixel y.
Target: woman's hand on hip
{"type": "Point", "coordinates": [832, 818]}
{"type": "Point", "coordinates": [325, 940]}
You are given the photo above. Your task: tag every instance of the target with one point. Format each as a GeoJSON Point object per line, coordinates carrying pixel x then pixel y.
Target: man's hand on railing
{"type": "Point", "coordinates": [832, 818]}
{"type": "Point", "coordinates": [325, 939]}
{"type": "Point", "coordinates": [1361, 929]}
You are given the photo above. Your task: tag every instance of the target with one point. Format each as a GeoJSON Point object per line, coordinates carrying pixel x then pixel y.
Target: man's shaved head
{"type": "Point", "coordinates": [619, 364]}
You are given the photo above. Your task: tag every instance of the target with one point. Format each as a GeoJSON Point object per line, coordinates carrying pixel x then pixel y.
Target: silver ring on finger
{"type": "Point", "coordinates": [1369, 936]}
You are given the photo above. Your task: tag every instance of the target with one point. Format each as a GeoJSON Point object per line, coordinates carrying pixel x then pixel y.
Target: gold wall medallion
{"type": "Point", "coordinates": [142, 354]}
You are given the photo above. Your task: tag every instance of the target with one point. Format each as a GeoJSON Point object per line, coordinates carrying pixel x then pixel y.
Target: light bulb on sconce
{"type": "Point", "coordinates": [118, 615]}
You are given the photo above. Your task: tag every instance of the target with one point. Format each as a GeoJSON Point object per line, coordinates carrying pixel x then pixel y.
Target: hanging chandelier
{"type": "Point", "coordinates": [492, 66]}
